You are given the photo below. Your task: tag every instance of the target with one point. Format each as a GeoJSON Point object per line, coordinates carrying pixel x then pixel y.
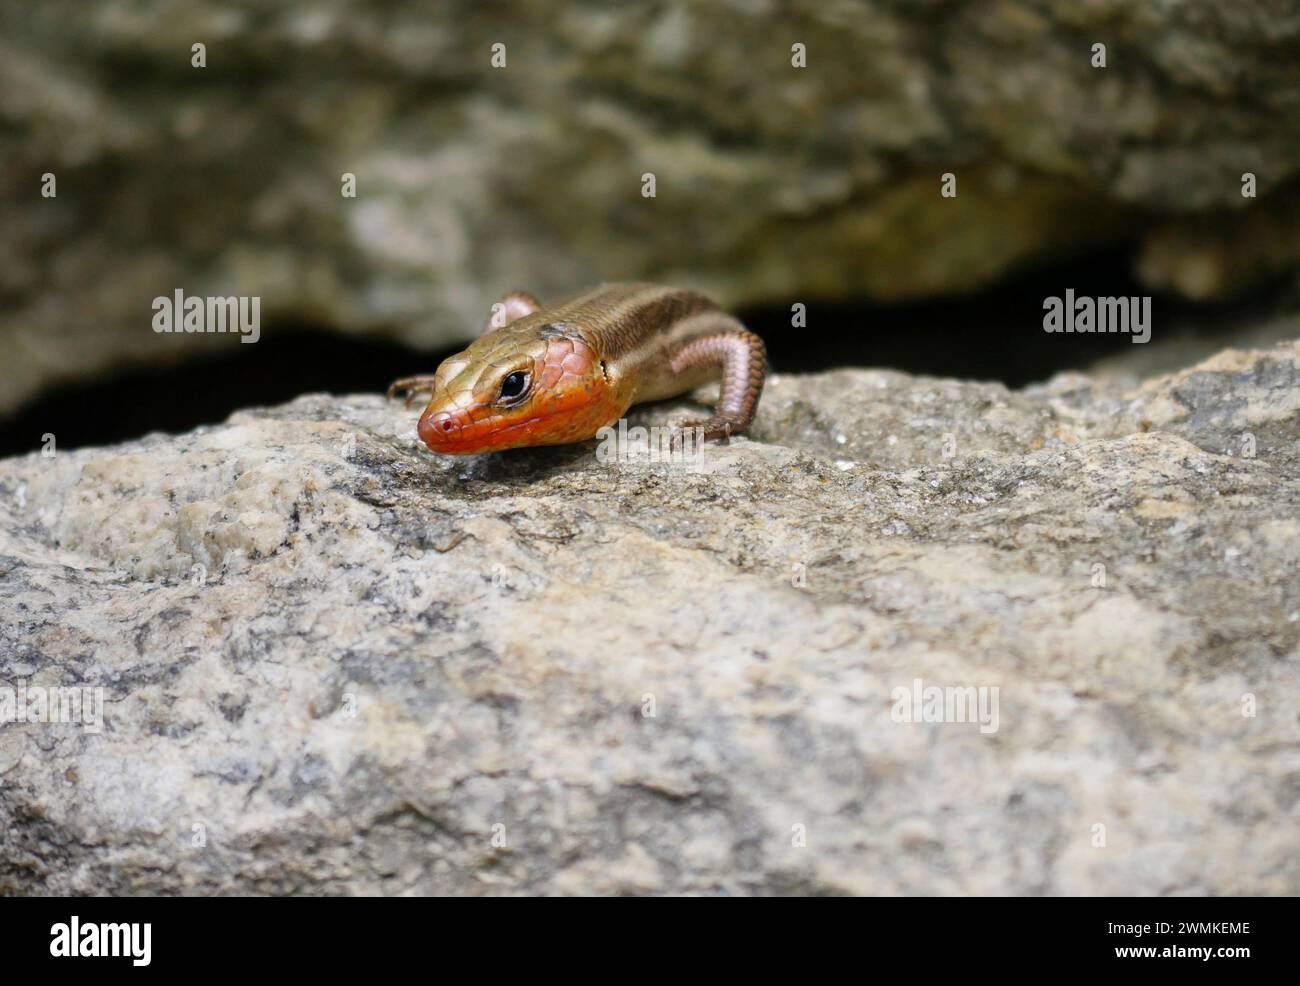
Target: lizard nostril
{"type": "Point", "coordinates": [433, 427]}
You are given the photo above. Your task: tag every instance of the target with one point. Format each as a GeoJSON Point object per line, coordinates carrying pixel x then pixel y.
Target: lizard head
{"type": "Point", "coordinates": [519, 385]}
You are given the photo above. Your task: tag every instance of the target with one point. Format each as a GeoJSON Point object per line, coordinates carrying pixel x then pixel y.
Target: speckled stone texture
{"type": "Point", "coordinates": [774, 183]}
{"type": "Point", "coordinates": [335, 663]}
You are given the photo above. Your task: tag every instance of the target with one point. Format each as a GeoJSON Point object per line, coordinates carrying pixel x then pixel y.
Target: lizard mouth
{"type": "Point", "coordinates": [572, 416]}
{"type": "Point", "coordinates": [458, 434]}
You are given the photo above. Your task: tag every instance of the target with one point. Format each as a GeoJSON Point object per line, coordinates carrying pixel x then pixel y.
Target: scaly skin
{"type": "Point", "coordinates": [584, 361]}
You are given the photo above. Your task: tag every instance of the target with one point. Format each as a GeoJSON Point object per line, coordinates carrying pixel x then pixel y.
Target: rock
{"type": "Point", "coordinates": [1180, 344]}
{"type": "Point", "coordinates": [332, 662]}
{"type": "Point", "coordinates": [773, 183]}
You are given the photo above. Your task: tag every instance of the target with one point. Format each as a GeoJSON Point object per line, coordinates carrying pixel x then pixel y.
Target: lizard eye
{"type": "Point", "coordinates": [514, 385]}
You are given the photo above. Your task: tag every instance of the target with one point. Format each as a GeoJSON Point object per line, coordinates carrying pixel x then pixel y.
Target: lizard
{"type": "Point", "coordinates": [559, 373]}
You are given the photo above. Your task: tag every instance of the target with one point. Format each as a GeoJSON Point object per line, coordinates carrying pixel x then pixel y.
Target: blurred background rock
{"type": "Point", "coordinates": [774, 184]}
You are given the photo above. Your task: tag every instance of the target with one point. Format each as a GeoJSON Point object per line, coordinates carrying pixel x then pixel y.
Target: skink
{"type": "Point", "coordinates": [557, 374]}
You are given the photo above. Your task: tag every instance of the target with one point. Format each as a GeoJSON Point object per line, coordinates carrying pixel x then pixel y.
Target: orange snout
{"type": "Point", "coordinates": [464, 430]}
{"type": "Point", "coordinates": [461, 431]}
{"type": "Point", "coordinates": [439, 429]}
{"type": "Point", "coordinates": [553, 420]}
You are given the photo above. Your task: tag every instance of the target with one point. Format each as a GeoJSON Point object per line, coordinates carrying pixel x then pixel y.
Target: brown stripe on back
{"type": "Point", "coordinates": [623, 316]}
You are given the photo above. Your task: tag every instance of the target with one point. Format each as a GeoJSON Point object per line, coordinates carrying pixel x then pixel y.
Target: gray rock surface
{"type": "Point", "coordinates": [334, 663]}
{"type": "Point", "coordinates": [773, 183]}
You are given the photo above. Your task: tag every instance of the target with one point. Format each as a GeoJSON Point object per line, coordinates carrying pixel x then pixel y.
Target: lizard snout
{"type": "Point", "coordinates": [438, 428]}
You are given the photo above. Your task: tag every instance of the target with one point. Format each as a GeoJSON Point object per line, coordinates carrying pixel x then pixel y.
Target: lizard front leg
{"type": "Point", "coordinates": [408, 387]}
{"type": "Point", "coordinates": [741, 361]}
